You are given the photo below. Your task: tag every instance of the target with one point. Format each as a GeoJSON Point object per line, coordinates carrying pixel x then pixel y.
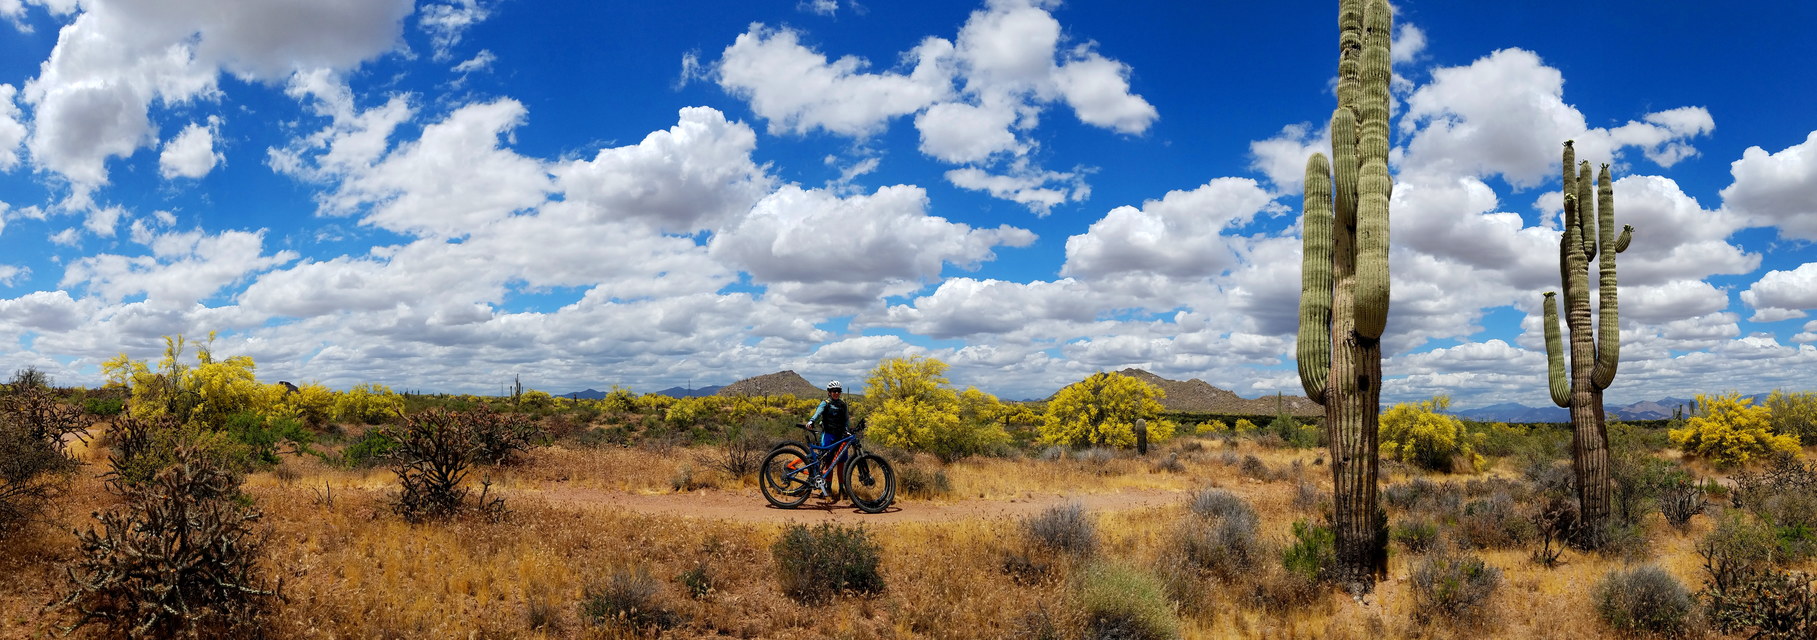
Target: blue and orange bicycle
{"type": "Point", "coordinates": [793, 472]}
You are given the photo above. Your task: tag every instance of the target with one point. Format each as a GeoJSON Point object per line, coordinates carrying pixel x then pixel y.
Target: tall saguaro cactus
{"type": "Point", "coordinates": [1589, 234]}
{"type": "Point", "coordinates": [1344, 293]}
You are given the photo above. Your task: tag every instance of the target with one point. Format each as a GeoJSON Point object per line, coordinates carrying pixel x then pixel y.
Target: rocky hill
{"type": "Point", "coordinates": [781, 383]}
{"type": "Point", "coordinates": [1200, 396]}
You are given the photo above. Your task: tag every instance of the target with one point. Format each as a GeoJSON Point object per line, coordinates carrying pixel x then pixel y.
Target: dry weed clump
{"type": "Point", "coordinates": [628, 599]}
{"type": "Point", "coordinates": [1645, 599]}
{"type": "Point", "coordinates": [1454, 588]}
{"type": "Point", "coordinates": [813, 565]}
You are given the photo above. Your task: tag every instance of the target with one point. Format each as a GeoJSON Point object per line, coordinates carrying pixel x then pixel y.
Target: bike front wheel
{"type": "Point", "coordinates": [870, 482]}
{"type": "Point", "coordinates": [786, 477]}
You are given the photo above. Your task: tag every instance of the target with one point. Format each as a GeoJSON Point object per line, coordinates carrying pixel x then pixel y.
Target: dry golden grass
{"type": "Point", "coordinates": [352, 569]}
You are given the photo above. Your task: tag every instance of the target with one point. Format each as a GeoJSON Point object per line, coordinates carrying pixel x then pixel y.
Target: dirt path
{"type": "Point", "coordinates": [749, 505]}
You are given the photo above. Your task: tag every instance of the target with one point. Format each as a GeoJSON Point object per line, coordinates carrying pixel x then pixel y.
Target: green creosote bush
{"type": "Point", "coordinates": [369, 450]}
{"type": "Point", "coordinates": [1452, 587]}
{"type": "Point", "coordinates": [1644, 598]}
{"type": "Point", "coordinates": [1119, 601]}
{"type": "Point", "coordinates": [1312, 554]}
{"type": "Point", "coordinates": [1417, 535]}
{"type": "Point", "coordinates": [816, 564]}
{"type": "Point", "coordinates": [628, 599]}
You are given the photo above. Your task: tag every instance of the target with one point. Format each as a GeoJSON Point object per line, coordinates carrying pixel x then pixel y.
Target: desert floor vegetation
{"type": "Point", "coordinates": [351, 568]}
{"type": "Point", "coordinates": [1211, 534]}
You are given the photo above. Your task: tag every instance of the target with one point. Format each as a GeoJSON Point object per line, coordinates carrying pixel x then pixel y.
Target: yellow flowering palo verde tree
{"type": "Point", "coordinates": [1102, 410]}
{"type": "Point", "coordinates": [913, 406]}
{"type": "Point", "coordinates": [1419, 433]}
{"type": "Point", "coordinates": [1730, 431]}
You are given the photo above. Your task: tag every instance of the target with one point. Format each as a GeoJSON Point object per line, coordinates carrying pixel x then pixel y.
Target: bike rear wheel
{"type": "Point", "coordinates": [870, 482]}
{"type": "Point", "coordinates": [786, 477]}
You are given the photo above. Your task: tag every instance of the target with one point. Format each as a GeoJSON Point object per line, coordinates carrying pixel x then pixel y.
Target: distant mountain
{"type": "Point", "coordinates": [683, 392]}
{"type": "Point", "coordinates": [1512, 412]}
{"type": "Point", "coordinates": [780, 383]}
{"type": "Point", "coordinates": [1661, 409]}
{"type": "Point", "coordinates": [589, 394]}
{"type": "Point", "coordinates": [1199, 396]}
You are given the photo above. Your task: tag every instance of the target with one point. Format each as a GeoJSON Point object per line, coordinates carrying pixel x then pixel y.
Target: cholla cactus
{"type": "Point", "coordinates": [1588, 234]}
{"type": "Point", "coordinates": [1344, 272]}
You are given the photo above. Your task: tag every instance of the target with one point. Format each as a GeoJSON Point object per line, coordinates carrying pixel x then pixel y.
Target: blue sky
{"type": "Point", "coordinates": [445, 195]}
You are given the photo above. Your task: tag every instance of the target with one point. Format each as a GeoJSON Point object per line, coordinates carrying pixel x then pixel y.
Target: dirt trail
{"type": "Point", "coordinates": [749, 506]}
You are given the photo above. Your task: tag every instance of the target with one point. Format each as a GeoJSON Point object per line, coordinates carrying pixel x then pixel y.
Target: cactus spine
{"type": "Point", "coordinates": [1594, 350]}
{"type": "Point", "coordinates": [1344, 277]}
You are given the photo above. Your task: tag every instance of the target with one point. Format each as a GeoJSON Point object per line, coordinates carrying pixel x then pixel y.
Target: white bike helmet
{"type": "Point", "coordinates": [834, 387]}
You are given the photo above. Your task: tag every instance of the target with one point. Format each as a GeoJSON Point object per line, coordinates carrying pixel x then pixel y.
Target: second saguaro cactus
{"type": "Point", "coordinates": [1344, 278]}
{"type": "Point", "coordinates": [1595, 350]}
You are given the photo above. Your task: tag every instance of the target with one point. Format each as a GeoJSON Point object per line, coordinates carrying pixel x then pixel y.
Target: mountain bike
{"type": "Point", "coordinates": [793, 472]}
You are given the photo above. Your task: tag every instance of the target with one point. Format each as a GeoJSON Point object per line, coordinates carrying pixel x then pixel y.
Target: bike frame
{"type": "Point", "coordinates": [840, 453]}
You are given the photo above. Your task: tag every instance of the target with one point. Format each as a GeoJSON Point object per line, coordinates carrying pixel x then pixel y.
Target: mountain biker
{"type": "Point", "coordinates": [832, 416]}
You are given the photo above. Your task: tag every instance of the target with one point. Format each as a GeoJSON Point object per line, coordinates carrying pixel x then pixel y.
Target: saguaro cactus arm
{"type": "Point", "coordinates": [1555, 354]}
{"type": "Point", "coordinates": [1608, 322]}
{"type": "Point", "coordinates": [1313, 350]}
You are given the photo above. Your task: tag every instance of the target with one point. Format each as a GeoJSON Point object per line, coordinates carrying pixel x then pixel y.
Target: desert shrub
{"type": "Point", "coordinates": [1170, 464]}
{"type": "Point", "coordinates": [1421, 435]}
{"type": "Point", "coordinates": [740, 455]}
{"type": "Point", "coordinates": [1493, 522]}
{"type": "Point", "coordinates": [1243, 426]}
{"type": "Point", "coordinates": [1066, 529]}
{"type": "Point", "coordinates": [1220, 538]}
{"type": "Point", "coordinates": [369, 450]}
{"type": "Point", "coordinates": [1783, 474]}
{"type": "Point", "coordinates": [1773, 605]}
{"type": "Point", "coordinates": [630, 599]}
{"type": "Point", "coordinates": [103, 407]}
{"type": "Point", "coordinates": [499, 437]}
{"type": "Point", "coordinates": [33, 462]}
{"type": "Point", "coordinates": [139, 447]}
{"type": "Point", "coordinates": [816, 564]}
{"type": "Point", "coordinates": [178, 559]}
{"type": "Point", "coordinates": [1453, 587]}
{"type": "Point", "coordinates": [1501, 439]}
{"type": "Point", "coordinates": [1312, 554]}
{"type": "Point", "coordinates": [1644, 598]}
{"type": "Point", "coordinates": [1555, 521]}
{"type": "Point", "coordinates": [1739, 548]}
{"type": "Point", "coordinates": [1635, 475]}
{"type": "Point", "coordinates": [435, 450]}
{"type": "Point", "coordinates": [1680, 498]}
{"type": "Point", "coordinates": [698, 580]}
{"type": "Point", "coordinates": [1417, 535]}
{"type": "Point", "coordinates": [255, 440]}
{"type": "Point", "coordinates": [1253, 467]}
{"type": "Point", "coordinates": [1212, 427]}
{"type": "Point", "coordinates": [915, 480]}
{"type": "Point", "coordinates": [1729, 432]}
{"type": "Point", "coordinates": [1296, 434]}
{"type": "Point", "coordinates": [1792, 414]}
{"type": "Point", "coordinates": [1118, 601]}
{"type": "Point", "coordinates": [1308, 496]}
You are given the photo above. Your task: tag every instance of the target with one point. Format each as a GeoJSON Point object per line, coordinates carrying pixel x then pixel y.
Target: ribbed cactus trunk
{"type": "Point", "coordinates": [1595, 350]}
{"type": "Point", "coordinates": [1344, 293]}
